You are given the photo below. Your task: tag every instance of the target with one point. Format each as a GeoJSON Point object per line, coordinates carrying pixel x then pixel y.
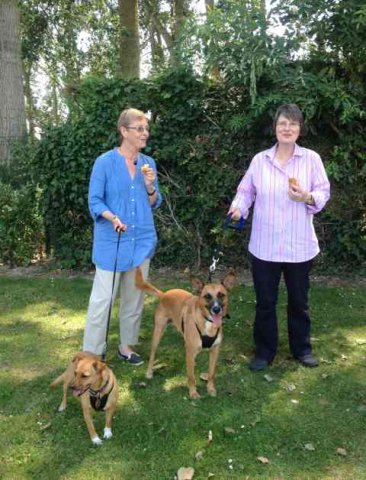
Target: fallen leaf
{"type": "Point", "coordinates": [290, 387]}
{"type": "Point", "coordinates": [295, 402]}
{"type": "Point", "coordinates": [268, 377]}
{"type": "Point", "coordinates": [309, 446]}
{"type": "Point", "coordinates": [44, 427]}
{"type": "Point", "coordinates": [229, 430]}
{"type": "Point", "coordinates": [325, 375]}
{"type": "Point", "coordinates": [209, 438]}
{"type": "Point", "coordinates": [342, 451]}
{"type": "Point", "coordinates": [159, 366]}
{"type": "Point", "coordinates": [141, 385]}
{"type": "Point", "coordinates": [263, 460]}
{"type": "Point", "coordinates": [185, 473]}
{"type": "Point", "coordinates": [199, 455]}
{"type": "Point", "coordinates": [210, 475]}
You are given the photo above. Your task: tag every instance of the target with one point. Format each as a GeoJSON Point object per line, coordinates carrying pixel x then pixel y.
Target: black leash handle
{"type": "Point", "coordinates": [104, 354]}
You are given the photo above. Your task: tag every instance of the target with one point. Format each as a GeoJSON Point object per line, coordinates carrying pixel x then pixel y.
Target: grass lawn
{"type": "Point", "coordinates": [310, 424]}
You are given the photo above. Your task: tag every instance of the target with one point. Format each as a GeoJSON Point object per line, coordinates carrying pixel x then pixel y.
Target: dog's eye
{"type": "Point", "coordinates": [208, 297]}
{"type": "Point", "coordinates": [221, 296]}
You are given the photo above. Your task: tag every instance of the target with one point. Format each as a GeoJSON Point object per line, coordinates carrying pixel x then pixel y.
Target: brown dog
{"type": "Point", "coordinates": [95, 384]}
{"type": "Point", "coordinates": [197, 318]}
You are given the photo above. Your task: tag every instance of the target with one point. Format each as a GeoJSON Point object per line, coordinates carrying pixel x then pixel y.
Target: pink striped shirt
{"type": "Point", "coordinates": [282, 229]}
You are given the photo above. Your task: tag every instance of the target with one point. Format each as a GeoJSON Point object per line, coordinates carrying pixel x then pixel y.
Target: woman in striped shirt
{"type": "Point", "coordinates": [287, 185]}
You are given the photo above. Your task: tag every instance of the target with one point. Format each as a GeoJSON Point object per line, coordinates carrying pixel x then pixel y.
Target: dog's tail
{"type": "Point", "coordinates": [57, 381]}
{"type": "Point", "coordinates": [146, 286]}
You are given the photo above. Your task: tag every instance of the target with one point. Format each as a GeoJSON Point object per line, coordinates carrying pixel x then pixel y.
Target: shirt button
{"type": "Point", "coordinates": [132, 186]}
{"type": "Point", "coordinates": [132, 199]}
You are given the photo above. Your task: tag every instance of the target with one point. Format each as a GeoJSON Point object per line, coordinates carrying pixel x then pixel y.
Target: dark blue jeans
{"type": "Point", "coordinates": [266, 278]}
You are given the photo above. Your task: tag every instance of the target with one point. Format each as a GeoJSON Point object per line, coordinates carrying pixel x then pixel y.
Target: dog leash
{"type": "Point", "coordinates": [218, 253]}
{"type": "Point", "coordinates": [104, 354]}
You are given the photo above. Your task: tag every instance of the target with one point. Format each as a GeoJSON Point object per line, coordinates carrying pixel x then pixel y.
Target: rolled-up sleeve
{"type": "Point", "coordinates": [320, 186]}
{"type": "Point", "coordinates": [159, 197]}
{"type": "Point", "coordinates": [245, 193]}
{"type": "Point", "coordinates": [96, 198]}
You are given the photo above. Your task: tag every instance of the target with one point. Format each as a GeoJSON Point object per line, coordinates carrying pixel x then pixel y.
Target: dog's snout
{"type": "Point", "coordinates": [216, 309]}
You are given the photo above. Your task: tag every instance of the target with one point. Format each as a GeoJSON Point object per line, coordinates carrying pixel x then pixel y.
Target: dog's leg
{"type": "Point", "coordinates": [88, 412]}
{"type": "Point", "coordinates": [57, 381]}
{"type": "Point", "coordinates": [160, 323]}
{"type": "Point", "coordinates": [190, 362]}
{"type": "Point", "coordinates": [213, 357]}
{"type": "Point", "coordinates": [108, 422]}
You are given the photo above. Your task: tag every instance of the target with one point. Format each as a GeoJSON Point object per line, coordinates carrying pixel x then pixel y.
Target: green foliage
{"type": "Point", "coordinates": [206, 127]}
{"type": "Point", "coordinates": [20, 225]}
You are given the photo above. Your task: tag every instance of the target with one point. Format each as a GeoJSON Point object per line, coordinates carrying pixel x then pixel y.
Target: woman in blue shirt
{"type": "Point", "coordinates": [123, 192]}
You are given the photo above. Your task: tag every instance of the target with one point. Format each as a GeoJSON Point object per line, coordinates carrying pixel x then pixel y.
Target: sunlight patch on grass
{"type": "Point", "coordinates": [175, 382]}
{"type": "Point", "coordinates": [126, 397]}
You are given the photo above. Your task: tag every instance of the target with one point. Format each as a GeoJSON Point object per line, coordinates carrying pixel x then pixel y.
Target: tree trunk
{"type": "Point", "coordinates": [129, 39]}
{"type": "Point", "coordinates": [178, 19]}
{"type": "Point", "coordinates": [12, 108]}
{"type": "Point", "coordinates": [30, 108]}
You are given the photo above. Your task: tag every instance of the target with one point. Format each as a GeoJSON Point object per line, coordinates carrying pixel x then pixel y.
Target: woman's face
{"type": "Point", "coordinates": [136, 134]}
{"type": "Point", "coordinates": [287, 130]}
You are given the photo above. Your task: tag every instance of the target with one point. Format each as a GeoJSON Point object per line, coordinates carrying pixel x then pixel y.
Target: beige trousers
{"type": "Point", "coordinates": [130, 312]}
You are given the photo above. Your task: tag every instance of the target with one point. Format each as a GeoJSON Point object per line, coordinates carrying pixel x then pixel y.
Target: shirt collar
{"type": "Point", "coordinates": [271, 152]}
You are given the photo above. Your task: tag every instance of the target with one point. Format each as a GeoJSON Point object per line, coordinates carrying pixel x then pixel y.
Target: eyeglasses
{"type": "Point", "coordinates": [291, 125]}
{"type": "Point", "coordinates": [140, 129]}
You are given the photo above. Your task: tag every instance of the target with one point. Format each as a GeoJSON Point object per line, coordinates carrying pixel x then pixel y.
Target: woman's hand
{"type": "Point", "coordinates": [149, 176]}
{"type": "Point", "coordinates": [235, 214]}
{"type": "Point", "coordinates": [297, 194]}
{"type": "Point", "coordinates": [118, 225]}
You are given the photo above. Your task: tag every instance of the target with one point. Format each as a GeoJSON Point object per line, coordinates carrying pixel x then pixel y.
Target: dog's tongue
{"type": "Point", "coordinates": [216, 319]}
{"type": "Point", "coordinates": [77, 393]}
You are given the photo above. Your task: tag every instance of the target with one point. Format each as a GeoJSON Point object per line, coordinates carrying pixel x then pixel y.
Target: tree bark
{"type": "Point", "coordinates": [129, 39]}
{"type": "Point", "coordinates": [12, 108]}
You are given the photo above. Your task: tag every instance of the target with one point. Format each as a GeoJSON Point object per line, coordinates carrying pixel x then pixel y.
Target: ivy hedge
{"type": "Point", "coordinates": [203, 136]}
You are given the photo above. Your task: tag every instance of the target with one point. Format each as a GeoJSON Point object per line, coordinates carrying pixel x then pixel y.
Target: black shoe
{"type": "Point", "coordinates": [308, 360]}
{"type": "Point", "coordinates": [132, 358]}
{"type": "Point", "coordinates": [257, 364]}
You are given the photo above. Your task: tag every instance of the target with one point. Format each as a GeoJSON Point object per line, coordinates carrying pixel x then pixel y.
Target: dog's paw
{"type": "Point", "coordinates": [96, 440]}
{"type": "Point", "coordinates": [212, 392]}
{"type": "Point", "coordinates": [107, 433]}
{"type": "Point", "coordinates": [194, 395]}
{"type": "Point", "coordinates": [61, 408]}
{"type": "Point", "coordinates": [149, 375]}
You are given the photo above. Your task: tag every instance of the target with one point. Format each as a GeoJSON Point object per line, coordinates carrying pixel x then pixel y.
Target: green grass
{"type": "Point", "coordinates": [157, 429]}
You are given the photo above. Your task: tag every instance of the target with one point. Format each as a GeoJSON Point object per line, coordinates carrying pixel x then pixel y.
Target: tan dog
{"type": "Point", "coordinates": [197, 318]}
{"type": "Point", "coordinates": [95, 384]}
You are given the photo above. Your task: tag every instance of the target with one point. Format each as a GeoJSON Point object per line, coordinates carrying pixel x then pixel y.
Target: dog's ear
{"type": "Point", "coordinates": [197, 284]}
{"type": "Point", "coordinates": [229, 280]}
{"type": "Point", "coordinates": [98, 366]}
{"type": "Point", "coordinates": [77, 358]}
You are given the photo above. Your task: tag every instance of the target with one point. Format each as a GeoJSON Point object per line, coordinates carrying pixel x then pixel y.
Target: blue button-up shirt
{"type": "Point", "coordinates": [112, 188]}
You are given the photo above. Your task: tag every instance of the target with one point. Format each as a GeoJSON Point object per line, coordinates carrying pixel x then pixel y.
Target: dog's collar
{"type": "Point", "coordinates": [96, 393]}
